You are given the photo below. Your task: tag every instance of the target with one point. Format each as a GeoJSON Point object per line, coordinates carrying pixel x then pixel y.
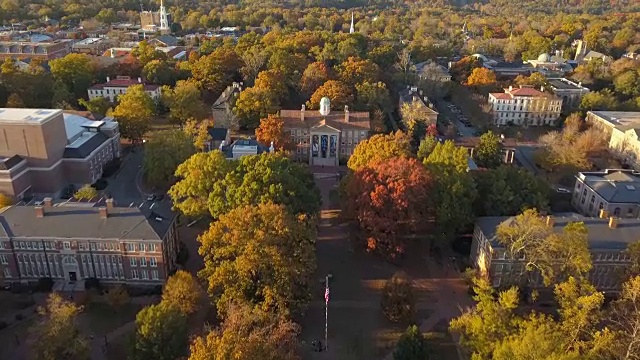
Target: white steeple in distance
{"type": "Point", "coordinates": [352, 28]}
{"type": "Point", "coordinates": [164, 21]}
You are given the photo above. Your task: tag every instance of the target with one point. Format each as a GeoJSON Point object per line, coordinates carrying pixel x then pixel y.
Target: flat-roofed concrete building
{"type": "Point", "coordinates": [570, 92]}
{"type": "Point", "coordinates": [71, 242]}
{"type": "Point", "coordinates": [623, 128]}
{"type": "Point", "coordinates": [608, 239]}
{"type": "Point", "coordinates": [42, 150]}
{"type": "Point", "coordinates": [615, 191]}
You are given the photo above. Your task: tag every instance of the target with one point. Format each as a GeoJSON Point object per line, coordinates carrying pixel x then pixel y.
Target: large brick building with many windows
{"type": "Point", "coordinates": [71, 242]}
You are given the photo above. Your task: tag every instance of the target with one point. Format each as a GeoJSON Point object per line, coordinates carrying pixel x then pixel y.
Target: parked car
{"type": "Point", "coordinates": [151, 197]}
{"type": "Point", "coordinates": [561, 190]}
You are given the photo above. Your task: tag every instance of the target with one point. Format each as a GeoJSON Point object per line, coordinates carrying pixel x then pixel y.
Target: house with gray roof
{"type": "Point", "coordinates": [617, 192]}
{"type": "Point", "coordinates": [72, 241]}
{"type": "Point", "coordinates": [608, 238]}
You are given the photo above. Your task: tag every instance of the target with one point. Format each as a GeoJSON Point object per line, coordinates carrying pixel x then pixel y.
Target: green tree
{"type": "Point", "coordinates": [252, 105]}
{"type": "Point", "coordinates": [161, 333]}
{"type": "Point", "coordinates": [599, 100]}
{"type": "Point", "coordinates": [107, 16]}
{"type": "Point", "coordinates": [75, 71]}
{"type": "Point", "coordinates": [378, 148]}
{"type": "Point", "coordinates": [411, 346]}
{"type": "Point", "coordinates": [509, 190]}
{"type": "Point", "coordinates": [184, 102]}
{"type": "Point", "coordinates": [198, 176]}
{"type": "Point", "coordinates": [249, 333]}
{"type": "Point", "coordinates": [14, 101]}
{"type": "Point", "coordinates": [488, 153]}
{"type": "Point", "coordinates": [372, 96]}
{"type": "Point", "coordinates": [454, 191]}
{"type": "Point", "coordinates": [427, 145]}
{"type": "Point", "coordinates": [554, 255]}
{"type": "Point", "coordinates": [182, 292]}
{"type": "Point", "coordinates": [97, 106]}
{"type": "Point", "coordinates": [628, 83]}
{"type": "Point", "coordinates": [199, 131]}
{"type": "Point", "coordinates": [57, 335]}
{"type": "Point", "coordinates": [164, 152]}
{"type": "Point", "coordinates": [134, 112]}
{"type": "Point", "coordinates": [624, 316]}
{"type": "Point", "coordinates": [266, 178]}
{"type": "Point", "coordinates": [159, 72]}
{"type": "Point", "coordinates": [259, 255]}
{"type": "Point", "coordinates": [146, 53]}
{"type": "Point", "coordinates": [86, 193]}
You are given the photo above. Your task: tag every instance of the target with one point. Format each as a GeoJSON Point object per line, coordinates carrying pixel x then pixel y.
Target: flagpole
{"type": "Point", "coordinates": [326, 314]}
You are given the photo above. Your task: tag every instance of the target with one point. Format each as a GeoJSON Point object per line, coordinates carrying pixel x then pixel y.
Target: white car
{"type": "Point", "coordinates": [562, 190]}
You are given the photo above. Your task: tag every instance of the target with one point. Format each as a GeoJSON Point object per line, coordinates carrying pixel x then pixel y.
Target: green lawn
{"type": "Point", "coordinates": [8, 336]}
{"type": "Point", "coordinates": [102, 318]}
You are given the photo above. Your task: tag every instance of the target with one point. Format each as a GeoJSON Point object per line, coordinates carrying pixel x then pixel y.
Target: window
{"type": "Point", "coordinates": [130, 247]}
{"type": "Point", "coordinates": [616, 212]}
{"type": "Point", "coordinates": [93, 246]}
{"type": "Point", "coordinates": [153, 262]}
{"type": "Point", "coordinates": [67, 245]}
{"type": "Point", "coordinates": [134, 274]}
{"type": "Point", "coordinates": [140, 247]}
{"type": "Point", "coordinates": [143, 261]}
{"type": "Point", "coordinates": [154, 274]}
{"type": "Point", "coordinates": [7, 272]}
{"type": "Point", "coordinates": [29, 245]}
{"type": "Point", "coordinates": [81, 246]}
{"type": "Point", "coordinates": [40, 246]}
{"type": "Point", "coordinates": [132, 261]}
{"type": "Point", "coordinates": [3, 259]}
{"type": "Point", "coordinates": [145, 274]}
{"type": "Point", "coordinates": [630, 211]}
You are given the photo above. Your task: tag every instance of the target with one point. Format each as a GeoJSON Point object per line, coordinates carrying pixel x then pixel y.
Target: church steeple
{"type": "Point", "coordinates": [352, 28]}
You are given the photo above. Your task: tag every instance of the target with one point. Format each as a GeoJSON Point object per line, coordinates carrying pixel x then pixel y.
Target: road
{"type": "Point", "coordinates": [124, 185]}
{"type": "Point", "coordinates": [443, 109]}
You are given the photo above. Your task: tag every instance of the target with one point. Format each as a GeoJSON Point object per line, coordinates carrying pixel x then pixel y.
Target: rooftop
{"type": "Point", "coordinates": [622, 120]}
{"type": "Point", "coordinates": [565, 84]}
{"type": "Point", "coordinates": [81, 222]}
{"type": "Point", "coordinates": [18, 115]}
{"type": "Point", "coordinates": [124, 81]}
{"type": "Point", "coordinates": [523, 91]}
{"type": "Point", "coordinates": [358, 120]}
{"type": "Point", "coordinates": [615, 186]}
{"type": "Point", "coordinates": [601, 236]}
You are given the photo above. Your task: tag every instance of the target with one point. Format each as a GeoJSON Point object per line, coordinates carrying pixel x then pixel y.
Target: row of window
{"type": "Point", "coordinates": [153, 262]}
{"type": "Point", "coordinates": [144, 274]}
{"type": "Point", "coordinates": [526, 115]}
{"type": "Point", "coordinates": [96, 246]}
{"type": "Point", "coordinates": [345, 133]}
{"type": "Point", "coordinates": [616, 212]}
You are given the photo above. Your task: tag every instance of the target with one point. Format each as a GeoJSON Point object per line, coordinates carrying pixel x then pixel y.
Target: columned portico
{"type": "Point", "coordinates": [324, 147]}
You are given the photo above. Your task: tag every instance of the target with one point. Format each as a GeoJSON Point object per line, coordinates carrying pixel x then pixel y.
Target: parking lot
{"type": "Point", "coordinates": [461, 122]}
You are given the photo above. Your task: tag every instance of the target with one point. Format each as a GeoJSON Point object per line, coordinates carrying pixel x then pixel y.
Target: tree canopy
{"type": "Point", "coordinates": [378, 148]}
{"type": "Point", "coordinates": [259, 255]}
{"type": "Point", "coordinates": [161, 333]}
{"type": "Point", "coordinates": [134, 112]}
{"type": "Point", "coordinates": [164, 152]}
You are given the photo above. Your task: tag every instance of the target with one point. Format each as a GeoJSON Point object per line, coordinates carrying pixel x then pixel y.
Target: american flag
{"type": "Point", "coordinates": [326, 293]}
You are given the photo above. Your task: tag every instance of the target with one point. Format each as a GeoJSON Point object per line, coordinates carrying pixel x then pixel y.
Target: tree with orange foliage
{"type": "Point", "coordinates": [389, 199]}
{"type": "Point", "coordinates": [272, 129]}
{"type": "Point", "coordinates": [338, 92]}
{"type": "Point", "coordinates": [481, 77]}
{"type": "Point", "coordinates": [316, 74]}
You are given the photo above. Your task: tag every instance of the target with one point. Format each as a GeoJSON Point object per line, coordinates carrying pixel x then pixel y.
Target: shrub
{"type": "Point", "coordinates": [411, 346]}
{"type": "Point", "coordinates": [117, 297]}
{"type": "Point", "coordinates": [91, 283]}
{"type": "Point", "coordinates": [86, 192]}
{"type": "Point", "coordinates": [5, 200]}
{"type": "Point", "coordinates": [398, 302]}
{"type": "Point", "coordinates": [45, 284]}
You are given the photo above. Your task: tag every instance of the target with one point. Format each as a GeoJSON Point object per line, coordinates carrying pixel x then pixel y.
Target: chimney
{"type": "Point", "coordinates": [420, 92]}
{"type": "Point", "coordinates": [550, 221]}
{"type": "Point", "coordinates": [510, 88]}
{"type": "Point", "coordinates": [302, 112]}
{"type": "Point", "coordinates": [103, 212]}
{"type": "Point", "coordinates": [604, 214]}
{"type": "Point", "coordinates": [109, 203]}
{"type": "Point", "coordinates": [580, 83]}
{"type": "Point", "coordinates": [140, 80]}
{"type": "Point", "coordinates": [542, 88]}
{"type": "Point", "coordinates": [613, 222]}
{"type": "Point", "coordinates": [108, 79]}
{"type": "Point", "coordinates": [48, 202]}
{"type": "Point", "coordinates": [346, 113]}
{"type": "Point", "coordinates": [39, 211]}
